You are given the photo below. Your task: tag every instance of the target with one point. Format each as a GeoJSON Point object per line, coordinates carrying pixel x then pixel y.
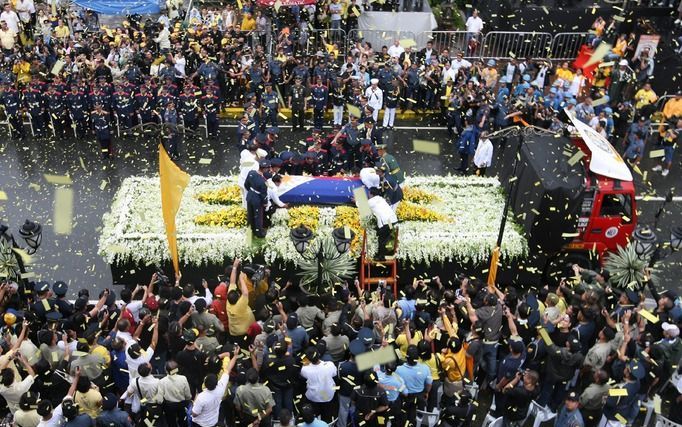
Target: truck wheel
{"type": "Point", "coordinates": [559, 265]}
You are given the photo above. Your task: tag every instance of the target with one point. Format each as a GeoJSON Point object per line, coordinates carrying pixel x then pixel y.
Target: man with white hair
{"type": "Point", "coordinates": [375, 98]}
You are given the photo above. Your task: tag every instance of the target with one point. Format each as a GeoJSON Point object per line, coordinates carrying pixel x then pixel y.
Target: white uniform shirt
{"type": "Point", "coordinates": [207, 404]}
{"type": "Point", "coordinates": [483, 156]}
{"type": "Point", "coordinates": [375, 98]}
{"type": "Point", "coordinates": [382, 211]}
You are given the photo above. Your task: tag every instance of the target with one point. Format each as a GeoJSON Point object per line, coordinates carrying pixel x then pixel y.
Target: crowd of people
{"type": "Point", "coordinates": [247, 351]}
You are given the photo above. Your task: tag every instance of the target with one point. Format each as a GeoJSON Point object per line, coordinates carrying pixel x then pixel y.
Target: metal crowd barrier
{"type": "Point", "coordinates": [565, 46]}
{"type": "Point", "coordinates": [453, 41]}
{"type": "Point", "coordinates": [378, 38]}
{"type": "Point", "coordinates": [508, 45]}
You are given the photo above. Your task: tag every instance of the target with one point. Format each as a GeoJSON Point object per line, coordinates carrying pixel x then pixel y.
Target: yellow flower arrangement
{"type": "Point", "coordinates": [307, 216]}
{"type": "Point", "coordinates": [230, 217]}
{"type": "Point", "coordinates": [408, 211]}
{"type": "Point", "coordinates": [223, 196]}
{"type": "Point", "coordinates": [349, 216]}
{"type": "Point", "coordinates": [417, 195]}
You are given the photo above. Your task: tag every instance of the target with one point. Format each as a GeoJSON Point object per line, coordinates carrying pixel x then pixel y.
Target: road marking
{"type": "Point", "coordinates": [396, 127]}
{"type": "Point", "coordinates": [657, 199]}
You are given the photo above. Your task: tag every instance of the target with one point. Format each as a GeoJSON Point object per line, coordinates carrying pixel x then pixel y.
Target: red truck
{"type": "Point", "coordinates": [575, 198]}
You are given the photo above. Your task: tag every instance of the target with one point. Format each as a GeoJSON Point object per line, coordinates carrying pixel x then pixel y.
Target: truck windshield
{"type": "Point", "coordinates": [617, 205]}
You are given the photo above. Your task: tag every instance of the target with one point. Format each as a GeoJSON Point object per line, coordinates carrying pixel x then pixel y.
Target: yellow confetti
{"type": "Point", "coordinates": [63, 210]}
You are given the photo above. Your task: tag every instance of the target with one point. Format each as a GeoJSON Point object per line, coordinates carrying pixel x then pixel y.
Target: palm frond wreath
{"type": "Point", "coordinates": [335, 267]}
{"type": "Point", "coordinates": [626, 268]}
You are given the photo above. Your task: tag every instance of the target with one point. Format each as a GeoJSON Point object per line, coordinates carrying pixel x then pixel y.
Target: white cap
{"type": "Point", "coordinates": [671, 329]}
{"type": "Point", "coordinates": [261, 153]}
{"type": "Point", "coordinates": [374, 81]}
{"type": "Point", "coordinates": [623, 62]}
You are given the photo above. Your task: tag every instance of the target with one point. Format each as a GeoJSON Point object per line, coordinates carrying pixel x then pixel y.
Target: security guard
{"type": "Point", "coordinates": [298, 103]}
{"type": "Point", "coordinates": [11, 102]}
{"type": "Point", "coordinates": [189, 108]}
{"type": "Point", "coordinates": [256, 198]}
{"type": "Point", "coordinates": [76, 102]}
{"type": "Point", "coordinates": [63, 305]}
{"type": "Point", "coordinates": [56, 108]}
{"type": "Point", "coordinates": [211, 104]}
{"type": "Point", "coordinates": [270, 102]}
{"type": "Point", "coordinates": [100, 121]}
{"type": "Point", "coordinates": [34, 103]}
{"type": "Point", "coordinates": [145, 105]}
{"type": "Point", "coordinates": [320, 95]}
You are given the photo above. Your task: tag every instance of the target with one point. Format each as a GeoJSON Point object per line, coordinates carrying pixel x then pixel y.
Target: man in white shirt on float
{"type": "Point", "coordinates": [483, 157]}
{"type": "Point", "coordinates": [386, 219]}
{"type": "Point", "coordinates": [375, 98]}
{"type": "Point", "coordinates": [248, 161]}
{"type": "Point", "coordinates": [396, 50]}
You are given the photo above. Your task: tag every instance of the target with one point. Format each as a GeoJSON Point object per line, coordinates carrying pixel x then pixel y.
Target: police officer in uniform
{"type": "Point", "coordinates": [124, 107]}
{"type": "Point", "coordinates": [145, 105]}
{"type": "Point", "coordinates": [320, 95]}
{"type": "Point", "coordinates": [99, 96]}
{"type": "Point", "coordinates": [170, 118]}
{"type": "Point", "coordinates": [338, 101]}
{"type": "Point", "coordinates": [34, 102]}
{"type": "Point", "coordinates": [189, 108]}
{"type": "Point", "coordinates": [57, 110]}
{"type": "Point", "coordinates": [270, 102]}
{"type": "Point", "coordinates": [298, 103]}
{"type": "Point", "coordinates": [211, 105]}
{"type": "Point", "coordinates": [100, 121]}
{"type": "Point", "coordinates": [43, 304]}
{"type": "Point", "coordinates": [390, 187]}
{"type": "Point", "coordinates": [63, 305]}
{"type": "Point", "coordinates": [256, 198]}
{"type": "Point", "coordinates": [77, 105]}
{"type": "Point", "coordinates": [11, 101]}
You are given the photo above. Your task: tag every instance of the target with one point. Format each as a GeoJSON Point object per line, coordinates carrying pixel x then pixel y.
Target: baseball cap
{"type": "Point", "coordinates": [109, 401]}
{"type": "Point", "coordinates": [151, 303]}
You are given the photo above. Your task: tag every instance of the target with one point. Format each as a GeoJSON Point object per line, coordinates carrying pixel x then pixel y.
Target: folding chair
{"type": "Point", "coordinates": [539, 414]}
{"type": "Point", "coordinates": [431, 417]}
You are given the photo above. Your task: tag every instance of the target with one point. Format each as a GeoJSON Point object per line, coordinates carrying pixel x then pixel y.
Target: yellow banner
{"type": "Point", "coordinates": [173, 183]}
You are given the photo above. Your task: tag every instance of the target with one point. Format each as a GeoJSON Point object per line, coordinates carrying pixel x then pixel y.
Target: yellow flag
{"type": "Point", "coordinates": [173, 183]}
{"type": "Point", "coordinates": [492, 271]}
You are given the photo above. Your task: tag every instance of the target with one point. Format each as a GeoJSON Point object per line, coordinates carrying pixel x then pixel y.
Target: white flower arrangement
{"type": "Point", "coordinates": [134, 230]}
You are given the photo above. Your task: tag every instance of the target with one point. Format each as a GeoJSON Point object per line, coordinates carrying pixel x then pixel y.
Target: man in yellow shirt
{"type": "Point", "coordinates": [645, 96]}
{"type": "Point", "coordinates": [61, 31]}
{"type": "Point", "coordinates": [248, 22]}
{"type": "Point", "coordinates": [239, 315]}
{"type": "Point", "coordinates": [673, 108]}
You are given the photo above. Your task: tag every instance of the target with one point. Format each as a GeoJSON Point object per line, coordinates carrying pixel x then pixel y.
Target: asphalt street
{"type": "Point", "coordinates": [73, 257]}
